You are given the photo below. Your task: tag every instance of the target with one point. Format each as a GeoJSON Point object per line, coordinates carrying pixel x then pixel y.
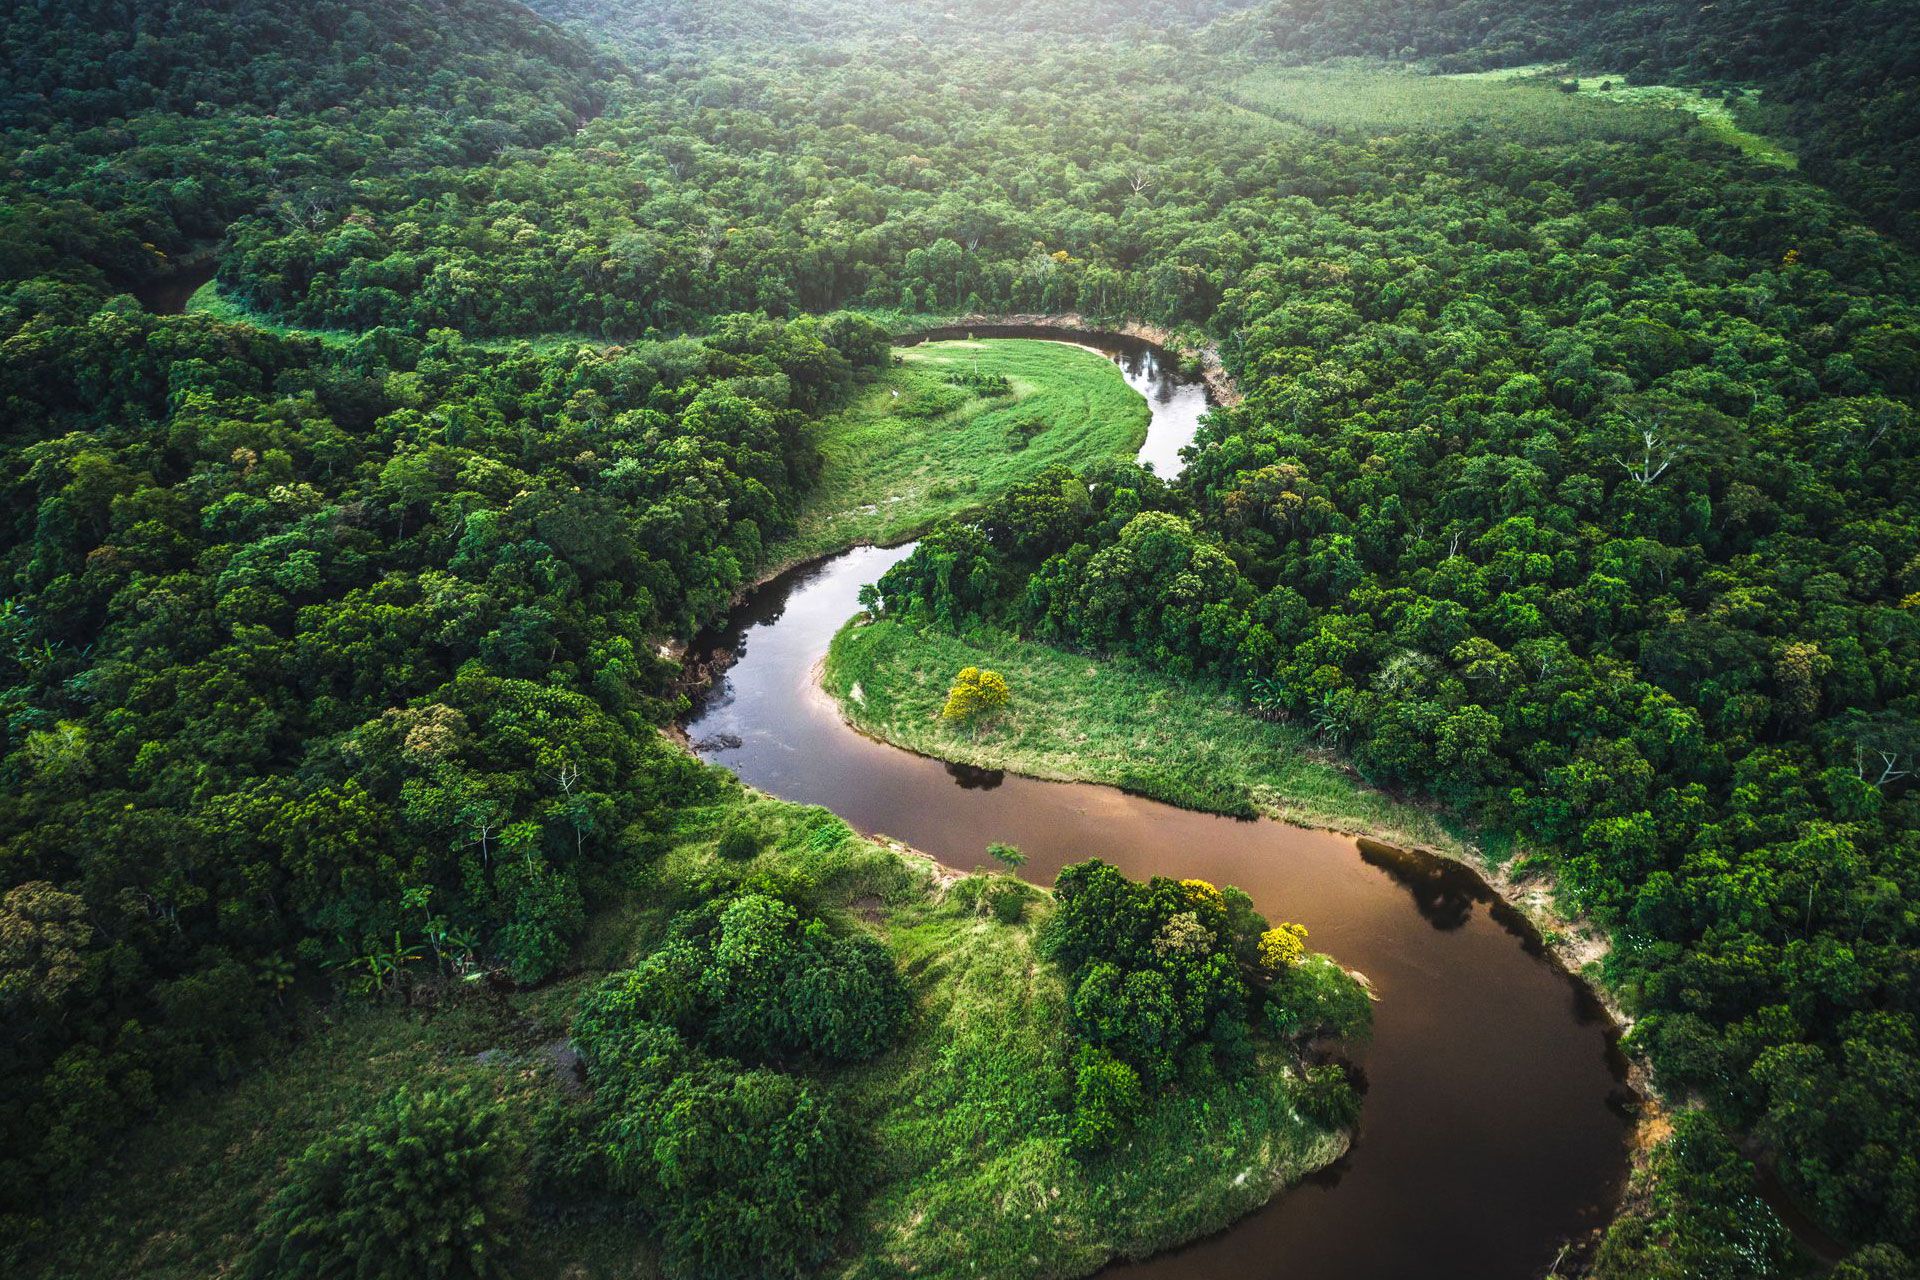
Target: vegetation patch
{"type": "Point", "coordinates": [1071, 717]}
{"type": "Point", "coordinates": [954, 424]}
{"type": "Point", "coordinates": [798, 1017]}
{"type": "Point", "coordinates": [1380, 99]}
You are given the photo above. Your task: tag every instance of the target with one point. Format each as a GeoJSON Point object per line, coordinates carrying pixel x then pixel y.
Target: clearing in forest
{"type": "Point", "coordinates": [952, 425]}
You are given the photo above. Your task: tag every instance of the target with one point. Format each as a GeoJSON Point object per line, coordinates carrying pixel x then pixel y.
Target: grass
{"type": "Point", "coordinates": [967, 1113]}
{"type": "Point", "coordinates": [1719, 116]}
{"type": "Point", "coordinates": [1380, 99]}
{"type": "Point", "coordinates": [971, 1126]}
{"type": "Point", "coordinates": [207, 300]}
{"type": "Point", "coordinates": [914, 448]}
{"type": "Point", "coordinates": [1074, 718]}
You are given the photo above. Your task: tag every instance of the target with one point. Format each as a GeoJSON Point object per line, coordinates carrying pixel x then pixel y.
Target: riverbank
{"type": "Point", "coordinates": [1077, 719]}
{"type": "Point", "coordinates": [950, 426]}
{"type": "Point", "coordinates": [966, 1114]}
{"type": "Point", "coordinates": [1221, 386]}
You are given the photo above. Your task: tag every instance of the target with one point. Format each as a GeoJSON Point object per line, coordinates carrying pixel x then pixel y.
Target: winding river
{"type": "Point", "coordinates": [1497, 1119]}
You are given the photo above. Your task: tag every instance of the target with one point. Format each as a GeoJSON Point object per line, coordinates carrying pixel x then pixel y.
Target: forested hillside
{"type": "Point", "coordinates": [1842, 80]}
{"type": "Point", "coordinates": [1574, 489]}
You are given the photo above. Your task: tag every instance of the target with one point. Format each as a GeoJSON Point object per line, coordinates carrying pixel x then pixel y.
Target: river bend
{"type": "Point", "coordinates": [1496, 1120]}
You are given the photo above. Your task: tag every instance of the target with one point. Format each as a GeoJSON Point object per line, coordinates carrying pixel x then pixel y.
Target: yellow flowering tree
{"type": "Point", "coordinates": [976, 693]}
{"type": "Point", "coordinates": [1282, 947]}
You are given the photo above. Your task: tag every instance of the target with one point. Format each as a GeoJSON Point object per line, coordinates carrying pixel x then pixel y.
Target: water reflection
{"type": "Point", "coordinates": [974, 778]}
{"type": "Point", "coordinates": [1443, 892]}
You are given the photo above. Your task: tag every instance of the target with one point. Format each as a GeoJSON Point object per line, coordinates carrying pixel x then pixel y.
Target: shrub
{"type": "Point", "coordinates": [1282, 947]}
{"type": "Point", "coordinates": [738, 843]}
{"type": "Point", "coordinates": [747, 1174]}
{"type": "Point", "coordinates": [1316, 997]}
{"type": "Point", "coordinates": [548, 914]}
{"type": "Point", "coordinates": [976, 693]}
{"type": "Point", "coordinates": [414, 1190]}
{"type": "Point", "coordinates": [1326, 1097]}
{"type": "Point", "coordinates": [1007, 900]}
{"type": "Point", "coordinates": [1106, 1099]}
{"type": "Point", "coordinates": [753, 979]}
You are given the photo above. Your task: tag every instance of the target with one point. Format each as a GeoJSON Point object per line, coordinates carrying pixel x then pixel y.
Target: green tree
{"type": "Point", "coordinates": [419, 1187]}
{"type": "Point", "coordinates": [976, 695]}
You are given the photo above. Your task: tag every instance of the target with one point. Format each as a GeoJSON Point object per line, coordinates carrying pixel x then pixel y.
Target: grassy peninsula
{"type": "Point", "coordinates": [953, 424]}
{"type": "Point", "coordinates": [1080, 719]}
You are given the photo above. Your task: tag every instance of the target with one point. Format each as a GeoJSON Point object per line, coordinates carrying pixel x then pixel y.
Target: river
{"type": "Point", "coordinates": [1497, 1117]}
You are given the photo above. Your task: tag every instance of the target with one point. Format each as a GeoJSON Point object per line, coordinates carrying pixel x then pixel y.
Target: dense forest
{"type": "Point", "coordinates": [1841, 80]}
{"type": "Point", "coordinates": [1573, 488]}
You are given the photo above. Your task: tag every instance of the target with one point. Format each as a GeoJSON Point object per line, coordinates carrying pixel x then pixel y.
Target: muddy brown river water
{"type": "Point", "coordinates": [1497, 1118]}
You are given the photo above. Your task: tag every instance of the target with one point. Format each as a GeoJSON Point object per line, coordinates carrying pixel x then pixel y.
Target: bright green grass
{"type": "Point", "coordinates": [1382, 99]}
{"type": "Point", "coordinates": [966, 1113]}
{"type": "Point", "coordinates": [207, 300]}
{"type": "Point", "coordinates": [1718, 116]}
{"type": "Point", "coordinates": [971, 1126]}
{"type": "Point", "coordinates": [1075, 718]}
{"type": "Point", "coordinates": [912, 449]}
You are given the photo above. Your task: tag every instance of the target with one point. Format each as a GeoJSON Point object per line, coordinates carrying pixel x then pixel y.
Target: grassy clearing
{"type": "Point", "coordinates": [1719, 114]}
{"type": "Point", "coordinates": [1076, 718]}
{"type": "Point", "coordinates": [914, 448]}
{"type": "Point", "coordinates": [1380, 99]}
{"type": "Point", "coordinates": [967, 1113]}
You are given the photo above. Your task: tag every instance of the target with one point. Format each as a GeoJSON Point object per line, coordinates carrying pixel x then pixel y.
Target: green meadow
{"type": "Point", "coordinates": [951, 425]}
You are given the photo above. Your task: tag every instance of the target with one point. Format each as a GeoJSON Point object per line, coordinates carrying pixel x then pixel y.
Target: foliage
{"type": "Point", "coordinates": [975, 695]}
{"type": "Point", "coordinates": [1282, 947]}
{"type": "Point", "coordinates": [1166, 980]}
{"type": "Point", "coordinates": [746, 1172]}
{"type": "Point", "coordinates": [1106, 1098]}
{"type": "Point", "coordinates": [335, 650]}
{"type": "Point", "coordinates": [417, 1188]}
{"type": "Point", "coordinates": [1510, 532]}
{"type": "Point", "coordinates": [1573, 485]}
{"type": "Point", "coordinates": [1315, 997]}
{"type": "Point", "coordinates": [1695, 1214]}
{"type": "Point", "coordinates": [1837, 78]}
{"type": "Point", "coordinates": [897, 459]}
{"type": "Point", "coordinates": [750, 977]}
{"type": "Point", "coordinates": [977, 1117]}
{"type": "Point", "coordinates": [1007, 855]}
{"type": "Point", "coordinates": [1187, 743]}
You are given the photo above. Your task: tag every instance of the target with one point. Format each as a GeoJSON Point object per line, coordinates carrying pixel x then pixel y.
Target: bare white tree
{"type": "Point", "coordinates": [1655, 457]}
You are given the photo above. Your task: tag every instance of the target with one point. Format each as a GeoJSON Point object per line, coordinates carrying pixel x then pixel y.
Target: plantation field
{"type": "Point", "coordinates": [1719, 116]}
{"type": "Point", "coordinates": [1074, 718]}
{"type": "Point", "coordinates": [915, 447]}
{"type": "Point", "coordinates": [1376, 99]}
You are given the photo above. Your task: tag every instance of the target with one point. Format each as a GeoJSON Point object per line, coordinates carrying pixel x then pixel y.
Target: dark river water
{"type": "Point", "coordinates": [1496, 1120]}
